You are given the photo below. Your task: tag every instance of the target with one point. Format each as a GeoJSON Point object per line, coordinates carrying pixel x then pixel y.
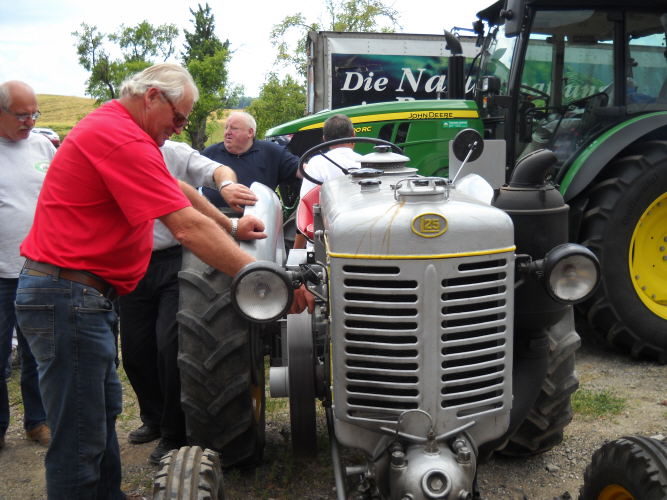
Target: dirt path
{"type": "Point", "coordinates": [643, 384]}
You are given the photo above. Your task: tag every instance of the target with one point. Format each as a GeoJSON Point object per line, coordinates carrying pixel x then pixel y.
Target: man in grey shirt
{"type": "Point", "coordinates": [148, 327]}
{"type": "Point", "coordinates": [24, 158]}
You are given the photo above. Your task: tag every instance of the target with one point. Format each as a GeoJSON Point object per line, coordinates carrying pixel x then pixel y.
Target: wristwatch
{"type": "Point", "coordinates": [235, 228]}
{"type": "Point", "coordinates": [224, 184]}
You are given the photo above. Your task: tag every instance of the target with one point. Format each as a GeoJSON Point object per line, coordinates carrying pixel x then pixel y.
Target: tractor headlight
{"type": "Point", "coordinates": [262, 292]}
{"type": "Point", "coordinates": [571, 273]}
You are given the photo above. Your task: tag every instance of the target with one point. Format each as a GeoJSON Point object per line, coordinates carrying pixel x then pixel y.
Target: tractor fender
{"type": "Point", "coordinates": [602, 150]}
{"type": "Point", "coordinates": [268, 209]}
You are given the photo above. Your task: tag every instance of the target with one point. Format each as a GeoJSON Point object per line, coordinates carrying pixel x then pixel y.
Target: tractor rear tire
{"type": "Point", "coordinates": [189, 473]}
{"type": "Point", "coordinates": [552, 412]}
{"type": "Point", "coordinates": [629, 468]}
{"type": "Point", "coordinates": [221, 359]}
{"type": "Point", "coordinates": [625, 225]}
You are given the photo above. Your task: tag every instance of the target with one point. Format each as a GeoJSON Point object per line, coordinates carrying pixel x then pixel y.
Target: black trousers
{"type": "Point", "coordinates": [149, 344]}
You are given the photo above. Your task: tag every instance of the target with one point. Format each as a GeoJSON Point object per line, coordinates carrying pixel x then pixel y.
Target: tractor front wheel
{"type": "Point", "coordinates": [221, 359]}
{"type": "Point", "coordinates": [552, 411]}
{"type": "Point", "coordinates": [189, 473]}
{"type": "Point", "coordinates": [629, 468]}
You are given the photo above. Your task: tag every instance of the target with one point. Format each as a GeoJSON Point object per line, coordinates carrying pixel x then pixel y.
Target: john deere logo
{"type": "Point", "coordinates": [429, 225]}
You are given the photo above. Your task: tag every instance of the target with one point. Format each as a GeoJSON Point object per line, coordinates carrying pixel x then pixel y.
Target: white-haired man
{"type": "Point", "coordinates": [92, 239]}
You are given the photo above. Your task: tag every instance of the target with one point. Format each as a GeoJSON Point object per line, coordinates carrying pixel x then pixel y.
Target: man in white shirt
{"type": "Point", "coordinates": [330, 164]}
{"type": "Point", "coordinates": [148, 327]}
{"type": "Point", "coordinates": [322, 167]}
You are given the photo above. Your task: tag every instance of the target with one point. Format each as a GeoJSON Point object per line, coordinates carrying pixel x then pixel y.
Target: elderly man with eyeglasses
{"type": "Point", "coordinates": [25, 158]}
{"type": "Point", "coordinates": [91, 239]}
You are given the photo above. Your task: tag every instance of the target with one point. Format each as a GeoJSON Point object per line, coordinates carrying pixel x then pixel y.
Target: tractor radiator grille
{"type": "Point", "coordinates": [423, 334]}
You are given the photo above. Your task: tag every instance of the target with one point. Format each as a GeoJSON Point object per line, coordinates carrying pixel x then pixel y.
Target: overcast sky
{"type": "Point", "coordinates": [36, 44]}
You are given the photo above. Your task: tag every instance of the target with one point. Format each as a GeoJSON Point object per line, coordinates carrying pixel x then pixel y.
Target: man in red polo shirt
{"type": "Point", "coordinates": [92, 239]}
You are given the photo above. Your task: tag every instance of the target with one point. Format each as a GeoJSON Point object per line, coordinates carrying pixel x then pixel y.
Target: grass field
{"type": "Point", "coordinates": [61, 113]}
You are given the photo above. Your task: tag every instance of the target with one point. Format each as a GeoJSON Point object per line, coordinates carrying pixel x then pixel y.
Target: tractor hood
{"type": "Point", "coordinates": [422, 217]}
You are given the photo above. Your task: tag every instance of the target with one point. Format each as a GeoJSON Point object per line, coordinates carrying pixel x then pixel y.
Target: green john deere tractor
{"type": "Point", "coordinates": [586, 79]}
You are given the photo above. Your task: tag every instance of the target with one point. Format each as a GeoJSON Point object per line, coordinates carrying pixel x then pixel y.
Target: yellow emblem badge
{"type": "Point", "coordinates": [429, 225]}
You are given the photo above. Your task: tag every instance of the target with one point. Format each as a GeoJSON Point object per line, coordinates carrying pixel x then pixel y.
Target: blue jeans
{"type": "Point", "coordinates": [33, 414]}
{"type": "Point", "coordinates": [71, 330]}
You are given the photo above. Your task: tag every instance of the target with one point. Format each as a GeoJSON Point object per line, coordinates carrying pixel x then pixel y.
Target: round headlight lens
{"type": "Point", "coordinates": [262, 294]}
{"type": "Point", "coordinates": [572, 272]}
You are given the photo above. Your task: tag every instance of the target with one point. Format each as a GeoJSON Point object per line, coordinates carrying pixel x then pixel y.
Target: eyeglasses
{"type": "Point", "coordinates": [23, 117]}
{"type": "Point", "coordinates": [179, 119]}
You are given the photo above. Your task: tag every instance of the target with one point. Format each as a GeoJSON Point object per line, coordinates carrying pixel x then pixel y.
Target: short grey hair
{"type": "Point", "coordinates": [6, 92]}
{"type": "Point", "coordinates": [338, 126]}
{"type": "Point", "coordinates": [169, 78]}
{"type": "Point", "coordinates": [247, 118]}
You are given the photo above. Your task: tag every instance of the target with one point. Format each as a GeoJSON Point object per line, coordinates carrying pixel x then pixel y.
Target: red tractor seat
{"type": "Point", "coordinates": [304, 213]}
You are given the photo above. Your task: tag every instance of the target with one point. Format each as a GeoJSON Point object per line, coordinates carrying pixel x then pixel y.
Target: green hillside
{"type": "Point", "coordinates": [61, 113]}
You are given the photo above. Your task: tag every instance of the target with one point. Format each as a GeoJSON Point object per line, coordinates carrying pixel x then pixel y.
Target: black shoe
{"type": "Point", "coordinates": [144, 434]}
{"type": "Point", "coordinates": [162, 448]}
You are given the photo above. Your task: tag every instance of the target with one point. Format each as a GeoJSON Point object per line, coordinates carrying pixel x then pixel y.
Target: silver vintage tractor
{"type": "Point", "coordinates": [442, 332]}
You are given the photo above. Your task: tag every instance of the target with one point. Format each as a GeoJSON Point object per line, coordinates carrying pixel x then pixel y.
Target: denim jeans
{"type": "Point", "coordinates": [33, 413]}
{"type": "Point", "coordinates": [71, 330]}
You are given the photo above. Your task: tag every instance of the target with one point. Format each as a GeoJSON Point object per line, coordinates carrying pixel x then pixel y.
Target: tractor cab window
{"type": "Point", "coordinates": [570, 87]}
{"type": "Point", "coordinates": [646, 80]}
{"type": "Point", "coordinates": [496, 60]}
{"type": "Point", "coordinates": [568, 69]}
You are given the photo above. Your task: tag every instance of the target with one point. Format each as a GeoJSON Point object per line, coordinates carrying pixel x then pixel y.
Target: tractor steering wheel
{"type": "Point", "coordinates": [532, 92]}
{"type": "Point", "coordinates": [316, 149]}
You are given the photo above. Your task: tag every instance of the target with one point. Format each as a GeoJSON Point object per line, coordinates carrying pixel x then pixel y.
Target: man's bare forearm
{"type": "Point", "coordinates": [206, 240]}
{"type": "Point", "coordinates": [201, 204]}
{"type": "Point", "coordinates": [223, 173]}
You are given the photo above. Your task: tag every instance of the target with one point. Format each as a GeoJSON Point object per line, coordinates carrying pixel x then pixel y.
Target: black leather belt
{"type": "Point", "coordinates": [34, 268]}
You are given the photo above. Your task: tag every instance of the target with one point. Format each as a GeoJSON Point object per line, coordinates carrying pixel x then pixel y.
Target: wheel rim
{"type": "Point", "coordinates": [648, 257]}
{"type": "Point", "coordinates": [615, 492]}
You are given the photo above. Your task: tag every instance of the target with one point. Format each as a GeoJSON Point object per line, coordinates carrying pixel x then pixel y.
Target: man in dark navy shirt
{"type": "Point", "coordinates": [251, 159]}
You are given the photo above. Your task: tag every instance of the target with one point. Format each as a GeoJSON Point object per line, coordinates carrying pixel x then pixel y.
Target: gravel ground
{"type": "Point", "coordinates": [643, 384]}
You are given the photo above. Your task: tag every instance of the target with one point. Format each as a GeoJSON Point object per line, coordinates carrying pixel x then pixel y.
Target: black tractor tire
{"type": "Point", "coordinates": [552, 412]}
{"type": "Point", "coordinates": [189, 473]}
{"type": "Point", "coordinates": [625, 225]}
{"type": "Point", "coordinates": [221, 360]}
{"type": "Point", "coordinates": [629, 468]}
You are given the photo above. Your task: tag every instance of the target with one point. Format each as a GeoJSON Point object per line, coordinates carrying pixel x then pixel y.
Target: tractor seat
{"type": "Point", "coordinates": [304, 213]}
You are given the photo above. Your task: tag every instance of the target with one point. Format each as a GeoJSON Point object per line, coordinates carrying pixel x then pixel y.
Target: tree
{"type": "Point", "coordinates": [143, 42]}
{"type": "Point", "coordinates": [343, 15]}
{"type": "Point", "coordinates": [244, 101]}
{"type": "Point", "coordinates": [139, 47]}
{"type": "Point", "coordinates": [278, 102]}
{"type": "Point", "coordinates": [206, 57]}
